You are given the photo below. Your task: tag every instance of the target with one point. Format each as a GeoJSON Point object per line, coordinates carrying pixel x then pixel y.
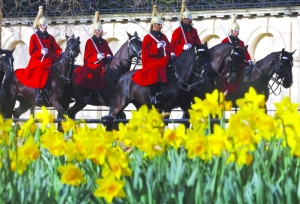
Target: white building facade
{"type": "Point", "coordinates": [264, 30]}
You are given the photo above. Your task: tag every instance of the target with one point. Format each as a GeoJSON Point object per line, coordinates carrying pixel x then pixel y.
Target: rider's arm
{"type": "Point", "coordinates": [35, 47]}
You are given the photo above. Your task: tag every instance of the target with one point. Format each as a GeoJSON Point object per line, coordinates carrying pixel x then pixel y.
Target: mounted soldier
{"type": "Point", "coordinates": [43, 51]}
{"type": "Point", "coordinates": [156, 53]}
{"type": "Point", "coordinates": [185, 36]}
{"type": "Point", "coordinates": [234, 39]}
{"type": "Point", "coordinates": [97, 54]}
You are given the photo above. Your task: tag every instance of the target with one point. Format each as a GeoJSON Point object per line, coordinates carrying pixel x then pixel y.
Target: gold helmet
{"type": "Point", "coordinates": [235, 25]}
{"type": "Point", "coordinates": [40, 19]}
{"type": "Point", "coordinates": [97, 23]}
{"type": "Point", "coordinates": [98, 26]}
{"type": "Point", "coordinates": [43, 21]}
{"type": "Point", "coordinates": [156, 19]}
{"type": "Point", "coordinates": [186, 14]}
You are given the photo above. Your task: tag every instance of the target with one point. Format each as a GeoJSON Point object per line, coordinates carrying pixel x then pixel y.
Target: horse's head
{"type": "Point", "coordinates": [6, 61]}
{"type": "Point", "coordinates": [234, 62]}
{"type": "Point", "coordinates": [134, 45]}
{"type": "Point", "coordinates": [284, 68]}
{"type": "Point", "coordinates": [65, 66]}
{"type": "Point", "coordinates": [72, 49]}
{"type": "Point", "coordinates": [203, 60]}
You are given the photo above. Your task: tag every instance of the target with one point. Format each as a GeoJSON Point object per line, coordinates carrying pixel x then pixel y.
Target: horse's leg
{"type": "Point", "coordinates": [23, 107]}
{"type": "Point", "coordinates": [78, 106]}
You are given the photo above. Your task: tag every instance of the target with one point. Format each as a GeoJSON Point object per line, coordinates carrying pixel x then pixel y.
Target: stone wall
{"type": "Point", "coordinates": [264, 30]}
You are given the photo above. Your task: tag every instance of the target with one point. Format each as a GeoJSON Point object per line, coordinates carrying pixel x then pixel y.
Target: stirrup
{"type": "Point", "coordinates": [88, 99]}
{"type": "Point", "coordinates": [38, 95]}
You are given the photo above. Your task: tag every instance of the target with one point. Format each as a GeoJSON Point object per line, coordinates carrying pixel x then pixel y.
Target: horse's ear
{"type": "Point", "coordinates": [135, 34]}
{"type": "Point", "coordinates": [67, 37]}
{"type": "Point", "coordinates": [205, 44]}
{"type": "Point", "coordinates": [246, 47]}
{"type": "Point", "coordinates": [129, 35]}
{"type": "Point", "coordinates": [78, 38]}
{"type": "Point", "coordinates": [15, 48]}
{"type": "Point", "coordinates": [293, 52]}
{"type": "Point", "coordinates": [282, 50]}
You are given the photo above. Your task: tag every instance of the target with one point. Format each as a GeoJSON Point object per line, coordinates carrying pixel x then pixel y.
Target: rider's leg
{"type": "Point", "coordinates": [87, 96]}
{"type": "Point", "coordinates": [38, 95]}
{"type": "Point", "coordinates": [155, 94]}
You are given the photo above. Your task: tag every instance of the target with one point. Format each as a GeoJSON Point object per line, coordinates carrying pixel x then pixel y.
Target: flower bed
{"type": "Point", "coordinates": [253, 159]}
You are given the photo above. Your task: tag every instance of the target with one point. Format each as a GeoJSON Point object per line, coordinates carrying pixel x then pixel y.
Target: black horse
{"type": "Point", "coordinates": [57, 95]}
{"type": "Point", "coordinates": [258, 76]}
{"type": "Point", "coordinates": [224, 55]}
{"type": "Point", "coordinates": [6, 63]}
{"type": "Point", "coordinates": [190, 64]}
{"type": "Point", "coordinates": [120, 64]}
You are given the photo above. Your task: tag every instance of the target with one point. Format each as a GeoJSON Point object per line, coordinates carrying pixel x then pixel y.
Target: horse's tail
{"type": "Point", "coordinates": [2, 101]}
{"type": "Point", "coordinates": [6, 83]}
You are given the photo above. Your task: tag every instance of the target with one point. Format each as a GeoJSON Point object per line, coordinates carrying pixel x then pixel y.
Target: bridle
{"type": "Point", "coordinates": [229, 68]}
{"type": "Point", "coordinates": [8, 67]}
{"type": "Point", "coordinates": [199, 74]}
{"type": "Point", "coordinates": [69, 55]}
{"type": "Point", "coordinates": [280, 75]}
{"type": "Point", "coordinates": [137, 54]}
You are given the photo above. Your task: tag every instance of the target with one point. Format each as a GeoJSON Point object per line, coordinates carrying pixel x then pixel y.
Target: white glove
{"type": "Point", "coordinates": [108, 56]}
{"type": "Point", "coordinates": [172, 54]}
{"type": "Point", "coordinates": [160, 44]}
{"type": "Point", "coordinates": [44, 51]}
{"type": "Point", "coordinates": [100, 56]}
{"type": "Point", "coordinates": [250, 62]}
{"type": "Point", "coordinates": [187, 46]}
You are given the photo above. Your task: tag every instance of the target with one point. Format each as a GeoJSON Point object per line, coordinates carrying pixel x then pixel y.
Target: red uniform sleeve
{"type": "Point", "coordinates": [225, 40]}
{"type": "Point", "coordinates": [90, 53]}
{"type": "Point", "coordinates": [106, 49]}
{"type": "Point", "coordinates": [168, 47]}
{"type": "Point", "coordinates": [55, 47]}
{"type": "Point", "coordinates": [177, 41]}
{"type": "Point", "coordinates": [35, 47]}
{"type": "Point", "coordinates": [149, 46]}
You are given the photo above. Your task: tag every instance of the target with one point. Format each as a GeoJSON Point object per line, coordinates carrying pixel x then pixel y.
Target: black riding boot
{"type": "Point", "coordinates": [38, 96]}
{"type": "Point", "coordinates": [155, 95]}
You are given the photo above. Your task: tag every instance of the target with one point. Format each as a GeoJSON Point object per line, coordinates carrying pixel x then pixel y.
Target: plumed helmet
{"type": "Point", "coordinates": [97, 23]}
{"type": "Point", "coordinates": [98, 26]}
{"type": "Point", "coordinates": [186, 14]}
{"type": "Point", "coordinates": [156, 19]}
{"type": "Point", "coordinates": [235, 26]}
{"type": "Point", "coordinates": [43, 21]}
{"type": "Point", "coordinates": [39, 19]}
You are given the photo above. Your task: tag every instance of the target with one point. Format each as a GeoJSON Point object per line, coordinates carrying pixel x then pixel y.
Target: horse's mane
{"type": "Point", "coordinates": [266, 57]}
{"type": "Point", "coordinates": [185, 56]}
{"type": "Point", "coordinates": [217, 47]}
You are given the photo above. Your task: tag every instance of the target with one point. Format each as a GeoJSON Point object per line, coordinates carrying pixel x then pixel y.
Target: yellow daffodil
{"type": "Point", "coordinates": [71, 175]}
{"type": "Point", "coordinates": [197, 145]}
{"type": "Point", "coordinates": [5, 125]}
{"type": "Point", "coordinates": [252, 100]}
{"type": "Point", "coordinates": [25, 153]}
{"type": "Point", "coordinates": [46, 117]}
{"type": "Point", "coordinates": [110, 188]}
{"type": "Point", "coordinates": [54, 142]}
{"type": "Point", "coordinates": [69, 124]}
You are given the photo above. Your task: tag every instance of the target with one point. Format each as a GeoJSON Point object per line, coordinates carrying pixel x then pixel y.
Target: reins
{"type": "Point", "coordinates": [179, 81]}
